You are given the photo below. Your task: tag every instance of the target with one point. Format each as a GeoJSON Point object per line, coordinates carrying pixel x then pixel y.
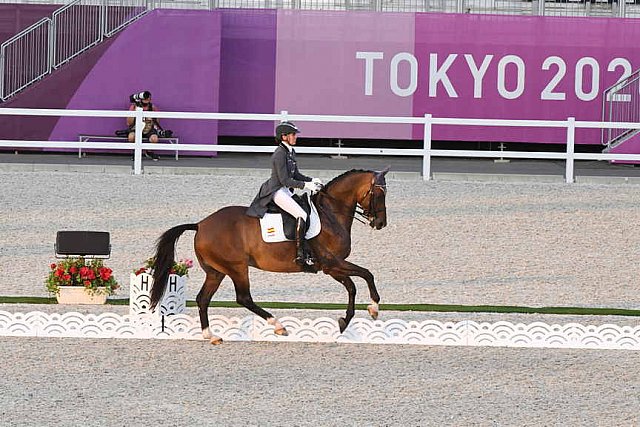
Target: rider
{"type": "Point", "coordinates": [278, 188]}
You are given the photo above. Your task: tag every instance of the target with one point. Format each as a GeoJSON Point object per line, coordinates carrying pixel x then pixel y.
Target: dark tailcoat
{"type": "Point", "coordinates": [284, 173]}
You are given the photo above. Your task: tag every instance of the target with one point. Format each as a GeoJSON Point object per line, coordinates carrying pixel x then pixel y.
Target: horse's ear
{"type": "Point", "coordinates": [384, 171]}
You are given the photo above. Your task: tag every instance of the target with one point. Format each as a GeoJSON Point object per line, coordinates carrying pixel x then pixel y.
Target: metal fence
{"type": "Point", "coordinates": [24, 58]}
{"type": "Point", "coordinates": [426, 152]}
{"type": "Point", "coordinates": [75, 28]}
{"type": "Point", "coordinates": [621, 103]}
{"type": "Point", "coordinates": [51, 42]}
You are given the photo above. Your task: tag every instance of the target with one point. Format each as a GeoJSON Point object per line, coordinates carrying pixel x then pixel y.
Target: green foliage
{"type": "Point", "coordinates": [180, 268]}
{"type": "Point", "coordinates": [91, 274]}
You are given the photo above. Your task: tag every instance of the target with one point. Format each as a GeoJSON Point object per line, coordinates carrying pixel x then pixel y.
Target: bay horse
{"type": "Point", "coordinates": [228, 242]}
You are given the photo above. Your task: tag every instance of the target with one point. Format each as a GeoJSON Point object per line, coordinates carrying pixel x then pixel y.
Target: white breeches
{"type": "Point", "coordinates": [282, 198]}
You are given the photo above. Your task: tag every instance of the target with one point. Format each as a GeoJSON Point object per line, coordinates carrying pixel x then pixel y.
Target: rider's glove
{"type": "Point", "coordinates": [316, 180]}
{"type": "Point", "coordinates": [312, 186]}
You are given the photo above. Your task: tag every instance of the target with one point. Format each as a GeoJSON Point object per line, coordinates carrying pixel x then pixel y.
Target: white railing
{"type": "Point", "coordinates": [426, 152]}
{"type": "Point", "coordinates": [25, 58]}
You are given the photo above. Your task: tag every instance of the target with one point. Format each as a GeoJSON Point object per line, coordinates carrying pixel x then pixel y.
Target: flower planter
{"type": "Point", "coordinates": [78, 295]}
{"type": "Point", "coordinates": [174, 300]}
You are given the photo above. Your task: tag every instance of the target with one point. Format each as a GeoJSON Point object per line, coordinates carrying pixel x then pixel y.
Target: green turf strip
{"type": "Point", "coordinates": [595, 311]}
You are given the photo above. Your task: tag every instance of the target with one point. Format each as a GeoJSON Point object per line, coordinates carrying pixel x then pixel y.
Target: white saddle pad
{"type": "Point", "coordinates": [273, 230]}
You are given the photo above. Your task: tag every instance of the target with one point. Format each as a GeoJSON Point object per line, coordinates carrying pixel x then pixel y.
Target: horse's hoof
{"type": "Point", "coordinates": [206, 333]}
{"type": "Point", "coordinates": [281, 331]}
{"type": "Point", "coordinates": [373, 311]}
{"type": "Point", "coordinates": [342, 324]}
{"type": "Point", "coordinates": [216, 341]}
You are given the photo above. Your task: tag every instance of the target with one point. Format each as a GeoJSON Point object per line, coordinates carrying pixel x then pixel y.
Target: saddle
{"type": "Point", "coordinates": [278, 225]}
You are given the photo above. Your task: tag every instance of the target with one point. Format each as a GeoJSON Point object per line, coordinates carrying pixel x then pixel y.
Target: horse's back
{"type": "Point", "coordinates": [225, 234]}
{"type": "Point", "coordinates": [226, 220]}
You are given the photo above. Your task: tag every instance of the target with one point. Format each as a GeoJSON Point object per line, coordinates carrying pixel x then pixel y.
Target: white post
{"type": "Point", "coordinates": [284, 115]}
{"type": "Point", "coordinates": [52, 46]}
{"type": "Point", "coordinates": [571, 137]}
{"type": "Point", "coordinates": [426, 156]}
{"type": "Point", "coordinates": [103, 19]}
{"type": "Point", "coordinates": [2, 74]}
{"type": "Point", "coordinates": [137, 152]}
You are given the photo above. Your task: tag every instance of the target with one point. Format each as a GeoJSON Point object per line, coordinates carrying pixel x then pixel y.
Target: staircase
{"type": "Point", "coordinates": [53, 41]}
{"type": "Point", "coordinates": [621, 103]}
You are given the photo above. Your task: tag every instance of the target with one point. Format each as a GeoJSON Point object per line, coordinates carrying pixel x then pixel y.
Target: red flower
{"type": "Point", "coordinates": [73, 270]}
{"type": "Point", "coordinates": [67, 277]}
{"type": "Point", "coordinates": [105, 273]}
{"type": "Point", "coordinates": [53, 266]}
{"type": "Point", "coordinates": [87, 283]}
{"type": "Point", "coordinates": [59, 272]}
{"type": "Point", "coordinates": [84, 272]}
{"type": "Point", "coordinates": [141, 270]}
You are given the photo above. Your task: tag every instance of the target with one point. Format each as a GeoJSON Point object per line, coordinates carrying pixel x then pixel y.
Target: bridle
{"type": "Point", "coordinates": [370, 213]}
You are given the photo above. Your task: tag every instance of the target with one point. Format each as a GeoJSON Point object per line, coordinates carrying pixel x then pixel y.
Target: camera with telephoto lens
{"type": "Point", "coordinates": [164, 133]}
{"type": "Point", "coordinates": [138, 98]}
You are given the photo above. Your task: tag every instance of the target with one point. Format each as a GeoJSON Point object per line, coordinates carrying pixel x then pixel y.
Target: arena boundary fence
{"type": "Point", "coordinates": [426, 152]}
{"type": "Point", "coordinates": [364, 331]}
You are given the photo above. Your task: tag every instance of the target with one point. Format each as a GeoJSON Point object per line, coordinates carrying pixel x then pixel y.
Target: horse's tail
{"type": "Point", "coordinates": [164, 259]}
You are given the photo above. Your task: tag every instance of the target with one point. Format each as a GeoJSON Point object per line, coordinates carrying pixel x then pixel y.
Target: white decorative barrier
{"type": "Point", "coordinates": [253, 328]}
{"type": "Point", "coordinates": [174, 300]}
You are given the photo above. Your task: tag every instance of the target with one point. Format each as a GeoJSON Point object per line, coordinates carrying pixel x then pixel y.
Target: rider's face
{"type": "Point", "coordinates": [290, 138]}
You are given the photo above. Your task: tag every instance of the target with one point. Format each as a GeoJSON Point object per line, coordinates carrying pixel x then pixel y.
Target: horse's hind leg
{"type": "Point", "coordinates": [243, 297]}
{"type": "Point", "coordinates": [210, 286]}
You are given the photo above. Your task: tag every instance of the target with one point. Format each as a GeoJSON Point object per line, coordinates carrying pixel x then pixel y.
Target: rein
{"type": "Point", "coordinates": [341, 205]}
{"type": "Point", "coordinates": [364, 213]}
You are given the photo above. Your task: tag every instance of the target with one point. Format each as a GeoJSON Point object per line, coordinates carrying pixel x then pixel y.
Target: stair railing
{"type": "Point", "coordinates": [24, 58]}
{"type": "Point", "coordinates": [51, 42]}
{"type": "Point", "coordinates": [621, 103]}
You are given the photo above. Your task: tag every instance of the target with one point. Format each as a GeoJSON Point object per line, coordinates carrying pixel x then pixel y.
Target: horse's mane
{"type": "Point", "coordinates": [344, 175]}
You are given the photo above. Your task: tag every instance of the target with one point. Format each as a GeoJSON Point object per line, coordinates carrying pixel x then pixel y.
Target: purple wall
{"type": "Point", "coordinates": [579, 52]}
{"type": "Point", "coordinates": [346, 63]}
{"type": "Point", "coordinates": [54, 91]}
{"type": "Point", "coordinates": [160, 53]}
{"type": "Point", "coordinates": [247, 74]}
{"type": "Point", "coordinates": [365, 63]}
{"type": "Point", "coordinates": [16, 17]}
{"type": "Point", "coordinates": [318, 72]}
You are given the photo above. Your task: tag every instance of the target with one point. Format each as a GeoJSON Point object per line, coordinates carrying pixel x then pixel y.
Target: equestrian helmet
{"type": "Point", "coordinates": [285, 128]}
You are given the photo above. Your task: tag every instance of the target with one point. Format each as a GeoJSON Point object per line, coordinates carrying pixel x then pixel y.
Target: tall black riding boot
{"type": "Point", "coordinates": [302, 254]}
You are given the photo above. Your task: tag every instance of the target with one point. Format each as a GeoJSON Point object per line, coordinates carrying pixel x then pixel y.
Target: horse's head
{"type": "Point", "coordinates": [373, 201]}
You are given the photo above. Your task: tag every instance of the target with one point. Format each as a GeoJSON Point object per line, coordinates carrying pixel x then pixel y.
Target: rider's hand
{"type": "Point", "coordinates": [314, 187]}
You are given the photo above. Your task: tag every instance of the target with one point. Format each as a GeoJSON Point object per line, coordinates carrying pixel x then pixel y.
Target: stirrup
{"type": "Point", "coordinates": [304, 261]}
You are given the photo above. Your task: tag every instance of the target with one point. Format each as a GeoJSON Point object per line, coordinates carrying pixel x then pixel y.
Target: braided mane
{"type": "Point", "coordinates": [345, 174]}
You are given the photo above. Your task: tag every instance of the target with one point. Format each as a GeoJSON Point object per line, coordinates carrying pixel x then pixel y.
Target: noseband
{"type": "Point", "coordinates": [371, 212]}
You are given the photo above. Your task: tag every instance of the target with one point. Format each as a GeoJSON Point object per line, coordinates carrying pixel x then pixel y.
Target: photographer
{"type": "Point", "coordinates": [151, 127]}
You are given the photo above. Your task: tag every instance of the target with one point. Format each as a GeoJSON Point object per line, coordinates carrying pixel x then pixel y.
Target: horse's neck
{"type": "Point", "coordinates": [342, 213]}
{"type": "Point", "coordinates": [342, 203]}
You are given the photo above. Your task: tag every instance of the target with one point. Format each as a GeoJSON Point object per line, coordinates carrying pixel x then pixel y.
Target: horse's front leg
{"type": "Point", "coordinates": [351, 269]}
{"type": "Point", "coordinates": [343, 322]}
